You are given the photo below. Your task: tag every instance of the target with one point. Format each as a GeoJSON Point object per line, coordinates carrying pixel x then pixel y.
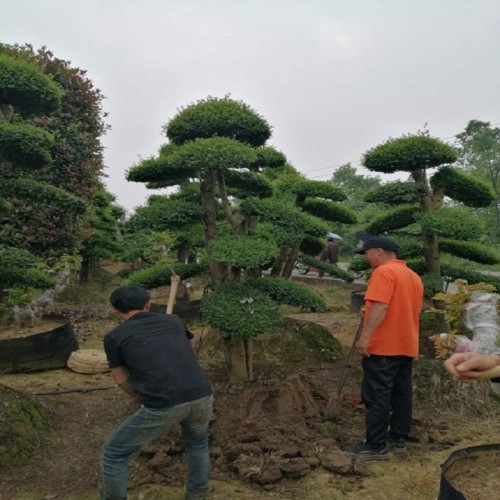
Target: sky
{"type": "Point", "coordinates": [334, 78]}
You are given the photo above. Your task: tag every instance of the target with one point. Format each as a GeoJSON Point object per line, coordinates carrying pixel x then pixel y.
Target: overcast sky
{"type": "Point", "coordinates": [333, 78]}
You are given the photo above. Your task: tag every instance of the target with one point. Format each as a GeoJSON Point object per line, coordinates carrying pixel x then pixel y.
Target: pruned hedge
{"type": "Point", "coordinates": [289, 292]}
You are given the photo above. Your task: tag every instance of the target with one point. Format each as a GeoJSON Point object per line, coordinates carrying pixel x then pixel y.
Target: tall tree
{"type": "Point", "coordinates": [479, 154]}
{"type": "Point", "coordinates": [421, 200]}
{"type": "Point", "coordinates": [25, 149]}
{"type": "Point", "coordinates": [76, 162]}
{"type": "Point", "coordinates": [220, 146]}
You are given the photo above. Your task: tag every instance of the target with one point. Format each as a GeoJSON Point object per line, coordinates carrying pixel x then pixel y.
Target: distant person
{"type": "Point", "coordinates": [388, 344]}
{"type": "Point", "coordinates": [330, 253]}
{"type": "Point", "coordinates": [152, 360]}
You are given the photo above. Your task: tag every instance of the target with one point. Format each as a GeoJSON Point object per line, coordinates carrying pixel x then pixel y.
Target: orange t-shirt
{"type": "Point", "coordinates": [395, 284]}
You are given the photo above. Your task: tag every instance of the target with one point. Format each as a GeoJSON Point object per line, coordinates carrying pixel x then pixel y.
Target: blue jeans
{"type": "Point", "coordinates": [150, 423]}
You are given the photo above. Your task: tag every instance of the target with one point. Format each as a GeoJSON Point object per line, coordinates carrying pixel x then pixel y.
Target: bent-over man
{"type": "Point", "coordinates": [152, 360]}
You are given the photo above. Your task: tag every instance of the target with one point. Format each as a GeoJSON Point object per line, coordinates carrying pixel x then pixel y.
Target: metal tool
{"type": "Point", "coordinates": [349, 357]}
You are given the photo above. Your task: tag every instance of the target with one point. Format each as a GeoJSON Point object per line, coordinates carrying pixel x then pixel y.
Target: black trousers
{"type": "Point", "coordinates": [387, 395]}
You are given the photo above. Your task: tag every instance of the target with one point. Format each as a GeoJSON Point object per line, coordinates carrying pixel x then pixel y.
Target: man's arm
{"type": "Point", "coordinates": [120, 376]}
{"type": "Point", "coordinates": [377, 313]}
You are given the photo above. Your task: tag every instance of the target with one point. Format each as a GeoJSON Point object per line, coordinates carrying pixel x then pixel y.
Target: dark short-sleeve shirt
{"type": "Point", "coordinates": [162, 365]}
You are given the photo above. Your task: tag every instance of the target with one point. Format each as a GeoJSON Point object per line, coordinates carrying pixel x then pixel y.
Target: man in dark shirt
{"type": "Point", "coordinates": [151, 359]}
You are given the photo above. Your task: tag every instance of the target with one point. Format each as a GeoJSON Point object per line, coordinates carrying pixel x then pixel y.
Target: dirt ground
{"type": "Point", "coordinates": [282, 436]}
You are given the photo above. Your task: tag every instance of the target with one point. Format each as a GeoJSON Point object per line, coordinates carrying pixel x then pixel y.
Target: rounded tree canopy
{"type": "Point", "coordinates": [240, 310]}
{"type": "Point", "coordinates": [394, 193]}
{"type": "Point", "coordinates": [25, 146]}
{"type": "Point", "coordinates": [409, 153]}
{"type": "Point", "coordinates": [289, 224]}
{"type": "Point", "coordinates": [243, 184]}
{"type": "Point", "coordinates": [213, 117]}
{"type": "Point", "coordinates": [463, 187]}
{"type": "Point", "coordinates": [453, 222]}
{"type": "Point", "coordinates": [328, 210]}
{"type": "Point", "coordinates": [289, 292]}
{"type": "Point", "coordinates": [42, 193]}
{"type": "Point", "coordinates": [244, 252]}
{"type": "Point", "coordinates": [303, 188]}
{"type": "Point", "coordinates": [470, 250]}
{"type": "Point", "coordinates": [394, 219]}
{"type": "Point", "coordinates": [26, 89]}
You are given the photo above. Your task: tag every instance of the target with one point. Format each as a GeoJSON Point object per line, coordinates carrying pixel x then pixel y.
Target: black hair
{"type": "Point", "coordinates": [330, 238]}
{"type": "Point", "coordinates": [129, 298]}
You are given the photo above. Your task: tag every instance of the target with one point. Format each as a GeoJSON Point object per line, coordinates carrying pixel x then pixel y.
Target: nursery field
{"type": "Point", "coordinates": [280, 436]}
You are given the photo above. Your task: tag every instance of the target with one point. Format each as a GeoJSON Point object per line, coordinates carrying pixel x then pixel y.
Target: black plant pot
{"type": "Point", "coordinates": [41, 351]}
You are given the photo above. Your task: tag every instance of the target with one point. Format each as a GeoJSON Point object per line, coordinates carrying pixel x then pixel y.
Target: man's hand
{"type": "Point", "coordinates": [362, 347]}
{"type": "Point", "coordinates": [468, 366]}
{"type": "Point", "coordinates": [134, 404]}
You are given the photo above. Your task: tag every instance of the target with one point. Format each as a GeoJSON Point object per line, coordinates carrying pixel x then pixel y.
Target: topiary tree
{"type": "Point", "coordinates": [317, 208]}
{"type": "Point", "coordinates": [76, 155]}
{"type": "Point", "coordinates": [479, 154]}
{"type": "Point", "coordinates": [419, 206]}
{"type": "Point", "coordinates": [219, 147]}
{"type": "Point", "coordinates": [26, 201]}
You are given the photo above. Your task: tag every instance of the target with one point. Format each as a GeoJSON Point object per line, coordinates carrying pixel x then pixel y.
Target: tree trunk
{"type": "Point", "coordinates": [240, 361]}
{"type": "Point", "coordinates": [209, 219]}
{"type": "Point", "coordinates": [429, 202]}
{"type": "Point", "coordinates": [285, 262]}
{"type": "Point", "coordinates": [431, 253]}
{"type": "Point", "coordinates": [84, 271]}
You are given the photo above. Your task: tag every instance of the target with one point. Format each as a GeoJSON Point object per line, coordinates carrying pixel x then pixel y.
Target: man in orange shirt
{"type": "Point", "coordinates": [388, 343]}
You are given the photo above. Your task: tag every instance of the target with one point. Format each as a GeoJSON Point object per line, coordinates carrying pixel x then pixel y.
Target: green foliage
{"type": "Point", "coordinates": [22, 422]}
{"type": "Point", "coordinates": [244, 252]}
{"type": "Point", "coordinates": [472, 277]}
{"type": "Point", "coordinates": [470, 251]}
{"type": "Point", "coordinates": [312, 246]}
{"type": "Point", "coordinates": [162, 213]}
{"type": "Point", "coordinates": [289, 292]}
{"type": "Point", "coordinates": [329, 211]}
{"type": "Point", "coordinates": [394, 219]}
{"type": "Point", "coordinates": [394, 193]}
{"type": "Point", "coordinates": [409, 246]}
{"type": "Point", "coordinates": [433, 283]}
{"type": "Point", "coordinates": [354, 185]}
{"type": "Point", "coordinates": [161, 172]}
{"type": "Point", "coordinates": [289, 224]}
{"type": "Point", "coordinates": [25, 145]}
{"type": "Point", "coordinates": [417, 265]}
{"type": "Point", "coordinates": [358, 264]}
{"type": "Point", "coordinates": [161, 274]}
{"type": "Point", "coordinates": [408, 153]}
{"type": "Point", "coordinates": [192, 160]}
{"type": "Point", "coordinates": [247, 184]}
{"type": "Point", "coordinates": [462, 187]}
{"type": "Point", "coordinates": [213, 117]}
{"type": "Point", "coordinates": [26, 89]}
{"type": "Point", "coordinates": [268, 157]}
{"type": "Point", "coordinates": [453, 222]}
{"type": "Point", "coordinates": [18, 268]}
{"type": "Point", "coordinates": [303, 188]}
{"type": "Point", "coordinates": [42, 193]}
{"type": "Point", "coordinates": [329, 268]}
{"type": "Point", "coordinates": [240, 310]}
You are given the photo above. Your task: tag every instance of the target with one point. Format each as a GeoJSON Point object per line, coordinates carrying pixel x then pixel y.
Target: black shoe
{"type": "Point", "coordinates": [366, 452]}
{"type": "Point", "coordinates": [398, 445]}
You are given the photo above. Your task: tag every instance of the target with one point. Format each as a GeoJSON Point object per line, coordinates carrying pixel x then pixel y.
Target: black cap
{"type": "Point", "coordinates": [378, 242]}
